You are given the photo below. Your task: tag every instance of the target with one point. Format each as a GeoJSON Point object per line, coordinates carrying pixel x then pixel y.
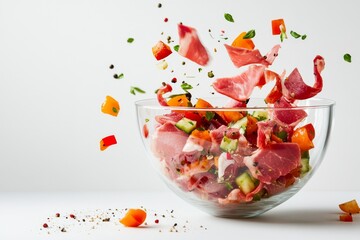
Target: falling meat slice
{"type": "Point", "coordinates": [290, 116]}
{"type": "Point", "coordinates": [190, 45]}
{"type": "Point", "coordinates": [240, 87]}
{"type": "Point", "coordinates": [294, 86]}
{"type": "Point", "coordinates": [242, 56]}
{"type": "Point", "coordinates": [276, 160]}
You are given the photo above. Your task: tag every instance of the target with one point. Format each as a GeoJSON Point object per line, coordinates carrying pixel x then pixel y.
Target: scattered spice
{"type": "Point", "coordinates": [156, 221]}
{"type": "Point", "coordinates": [72, 216]}
{"type": "Point", "coordinates": [166, 19]}
{"type": "Point", "coordinates": [45, 225]}
{"type": "Point", "coordinates": [57, 215]}
{"type": "Point", "coordinates": [211, 74]}
{"type": "Point", "coordinates": [111, 66]}
{"type": "Point", "coordinates": [63, 230]}
{"type": "Point", "coordinates": [174, 80]}
{"type": "Point", "coordinates": [159, 5]}
{"type": "Point", "coordinates": [183, 63]}
{"type": "Point", "coordinates": [119, 76]}
{"type": "Point", "coordinates": [106, 220]}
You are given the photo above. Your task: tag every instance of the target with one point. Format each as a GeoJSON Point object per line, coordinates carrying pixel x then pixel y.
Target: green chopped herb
{"type": "Point", "coordinates": [119, 76]}
{"type": "Point", "coordinates": [176, 48]}
{"type": "Point", "coordinates": [228, 17]}
{"type": "Point", "coordinates": [347, 57]}
{"type": "Point", "coordinates": [282, 135]}
{"type": "Point", "coordinates": [133, 90]}
{"type": "Point", "coordinates": [147, 120]}
{"type": "Point", "coordinates": [211, 74]}
{"type": "Point", "coordinates": [185, 86]}
{"type": "Point", "coordinates": [282, 36]}
{"type": "Point", "coordinates": [130, 40]}
{"type": "Point", "coordinates": [115, 110]}
{"type": "Point", "coordinates": [199, 69]}
{"type": "Point", "coordinates": [303, 37]}
{"type": "Point", "coordinates": [295, 34]}
{"type": "Point", "coordinates": [228, 186]}
{"type": "Point", "coordinates": [250, 34]}
{"type": "Point", "coordinates": [209, 115]}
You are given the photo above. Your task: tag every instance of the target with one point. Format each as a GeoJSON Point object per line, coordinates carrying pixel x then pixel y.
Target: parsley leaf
{"type": "Point", "coordinates": [185, 86]}
{"type": "Point", "coordinates": [347, 57]}
{"type": "Point", "coordinates": [130, 40]}
{"type": "Point", "coordinates": [209, 115]}
{"type": "Point", "coordinates": [295, 34]}
{"type": "Point", "coordinates": [133, 90]}
{"type": "Point", "coordinates": [250, 34]}
{"type": "Point", "coordinates": [176, 48]}
{"type": "Point", "coordinates": [228, 17]}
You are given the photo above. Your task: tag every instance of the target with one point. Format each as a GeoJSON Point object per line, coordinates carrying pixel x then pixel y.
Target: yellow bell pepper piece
{"type": "Point", "coordinates": [110, 106]}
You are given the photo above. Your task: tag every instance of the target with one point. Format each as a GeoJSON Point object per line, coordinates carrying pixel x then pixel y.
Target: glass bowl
{"type": "Point", "coordinates": [236, 162]}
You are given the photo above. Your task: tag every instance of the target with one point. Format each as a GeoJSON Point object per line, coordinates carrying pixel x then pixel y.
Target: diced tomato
{"type": "Point", "coordinates": [145, 131]}
{"type": "Point", "coordinates": [240, 42]}
{"type": "Point", "coordinates": [302, 137]}
{"type": "Point", "coordinates": [195, 117]}
{"type": "Point", "coordinates": [161, 50]}
{"type": "Point", "coordinates": [346, 218]}
{"type": "Point", "coordinates": [107, 141]}
{"type": "Point", "coordinates": [278, 26]}
{"type": "Point", "coordinates": [350, 207]}
{"type": "Point", "coordinates": [310, 130]}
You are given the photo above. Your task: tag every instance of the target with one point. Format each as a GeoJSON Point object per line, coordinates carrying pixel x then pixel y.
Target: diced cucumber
{"type": "Point", "coordinates": [240, 124]}
{"type": "Point", "coordinates": [229, 145]}
{"type": "Point", "coordinates": [261, 115]}
{"type": "Point", "coordinates": [187, 125]}
{"type": "Point", "coordinates": [305, 166]}
{"type": "Point", "coordinates": [246, 182]}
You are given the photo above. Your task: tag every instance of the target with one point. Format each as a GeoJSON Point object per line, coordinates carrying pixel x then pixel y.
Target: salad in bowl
{"type": "Point", "coordinates": [234, 155]}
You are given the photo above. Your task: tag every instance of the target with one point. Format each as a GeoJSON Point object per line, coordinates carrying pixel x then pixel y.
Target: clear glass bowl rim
{"type": "Point", "coordinates": [312, 103]}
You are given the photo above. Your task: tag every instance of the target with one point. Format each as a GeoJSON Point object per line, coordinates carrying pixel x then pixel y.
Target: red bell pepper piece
{"type": "Point", "coordinates": [107, 141]}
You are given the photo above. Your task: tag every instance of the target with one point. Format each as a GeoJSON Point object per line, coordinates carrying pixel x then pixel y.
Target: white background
{"type": "Point", "coordinates": [54, 76]}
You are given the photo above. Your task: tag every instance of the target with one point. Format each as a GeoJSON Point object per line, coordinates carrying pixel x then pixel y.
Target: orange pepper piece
{"type": "Point", "coordinates": [201, 103]}
{"type": "Point", "coordinates": [205, 134]}
{"type": "Point", "coordinates": [179, 101]}
{"type": "Point", "coordinates": [350, 207]}
{"type": "Point", "coordinates": [240, 42]}
{"type": "Point", "coordinates": [302, 137]}
{"type": "Point", "coordinates": [133, 218]}
{"type": "Point", "coordinates": [110, 106]}
{"type": "Point", "coordinates": [231, 116]}
{"type": "Point", "coordinates": [278, 26]}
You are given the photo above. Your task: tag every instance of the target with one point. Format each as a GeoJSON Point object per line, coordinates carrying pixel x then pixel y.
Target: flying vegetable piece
{"type": "Point", "coordinates": [278, 26]}
{"type": "Point", "coordinates": [346, 218]}
{"type": "Point", "coordinates": [107, 141]}
{"type": "Point", "coordinates": [240, 42]}
{"type": "Point", "coordinates": [161, 50]}
{"type": "Point", "coordinates": [110, 106]}
{"type": "Point", "coordinates": [133, 218]}
{"type": "Point", "coordinates": [350, 207]}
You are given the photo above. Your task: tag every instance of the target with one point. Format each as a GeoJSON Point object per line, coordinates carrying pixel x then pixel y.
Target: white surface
{"type": "Point", "coordinates": [54, 76]}
{"type": "Point", "coordinates": [308, 215]}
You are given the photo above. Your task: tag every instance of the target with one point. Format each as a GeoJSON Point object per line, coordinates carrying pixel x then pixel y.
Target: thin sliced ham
{"type": "Point", "coordinates": [161, 91]}
{"type": "Point", "coordinates": [190, 46]}
{"type": "Point", "coordinates": [288, 116]}
{"type": "Point", "coordinates": [240, 87]}
{"type": "Point", "coordinates": [243, 56]}
{"type": "Point", "coordinates": [276, 160]}
{"type": "Point", "coordinates": [173, 118]}
{"type": "Point", "coordinates": [295, 87]}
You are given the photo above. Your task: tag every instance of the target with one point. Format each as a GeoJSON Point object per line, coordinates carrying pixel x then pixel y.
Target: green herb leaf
{"type": "Point", "coordinates": [199, 69]}
{"type": "Point", "coordinates": [250, 34]}
{"type": "Point", "coordinates": [209, 115]}
{"type": "Point", "coordinates": [114, 109]}
{"type": "Point", "coordinates": [147, 120]}
{"type": "Point", "coordinates": [282, 135]}
{"type": "Point", "coordinates": [133, 90]}
{"type": "Point", "coordinates": [228, 17]}
{"type": "Point", "coordinates": [130, 40]}
{"type": "Point", "coordinates": [185, 86]}
{"type": "Point", "coordinates": [347, 57]}
{"type": "Point", "coordinates": [176, 48]}
{"type": "Point", "coordinates": [282, 36]}
{"type": "Point", "coordinates": [295, 34]}
{"type": "Point", "coordinates": [303, 37]}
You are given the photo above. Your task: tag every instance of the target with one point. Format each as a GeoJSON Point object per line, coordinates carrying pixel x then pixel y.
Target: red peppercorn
{"type": "Point", "coordinates": [174, 80]}
{"type": "Point", "coordinates": [157, 221]}
{"type": "Point", "coordinates": [57, 215]}
{"type": "Point", "coordinates": [72, 216]}
{"type": "Point", "coordinates": [166, 19]}
{"type": "Point", "coordinates": [45, 225]}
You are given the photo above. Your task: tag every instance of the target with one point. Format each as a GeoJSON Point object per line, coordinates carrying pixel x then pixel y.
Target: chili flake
{"type": "Point", "coordinates": [174, 80]}
{"type": "Point", "coordinates": [166, 19]}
